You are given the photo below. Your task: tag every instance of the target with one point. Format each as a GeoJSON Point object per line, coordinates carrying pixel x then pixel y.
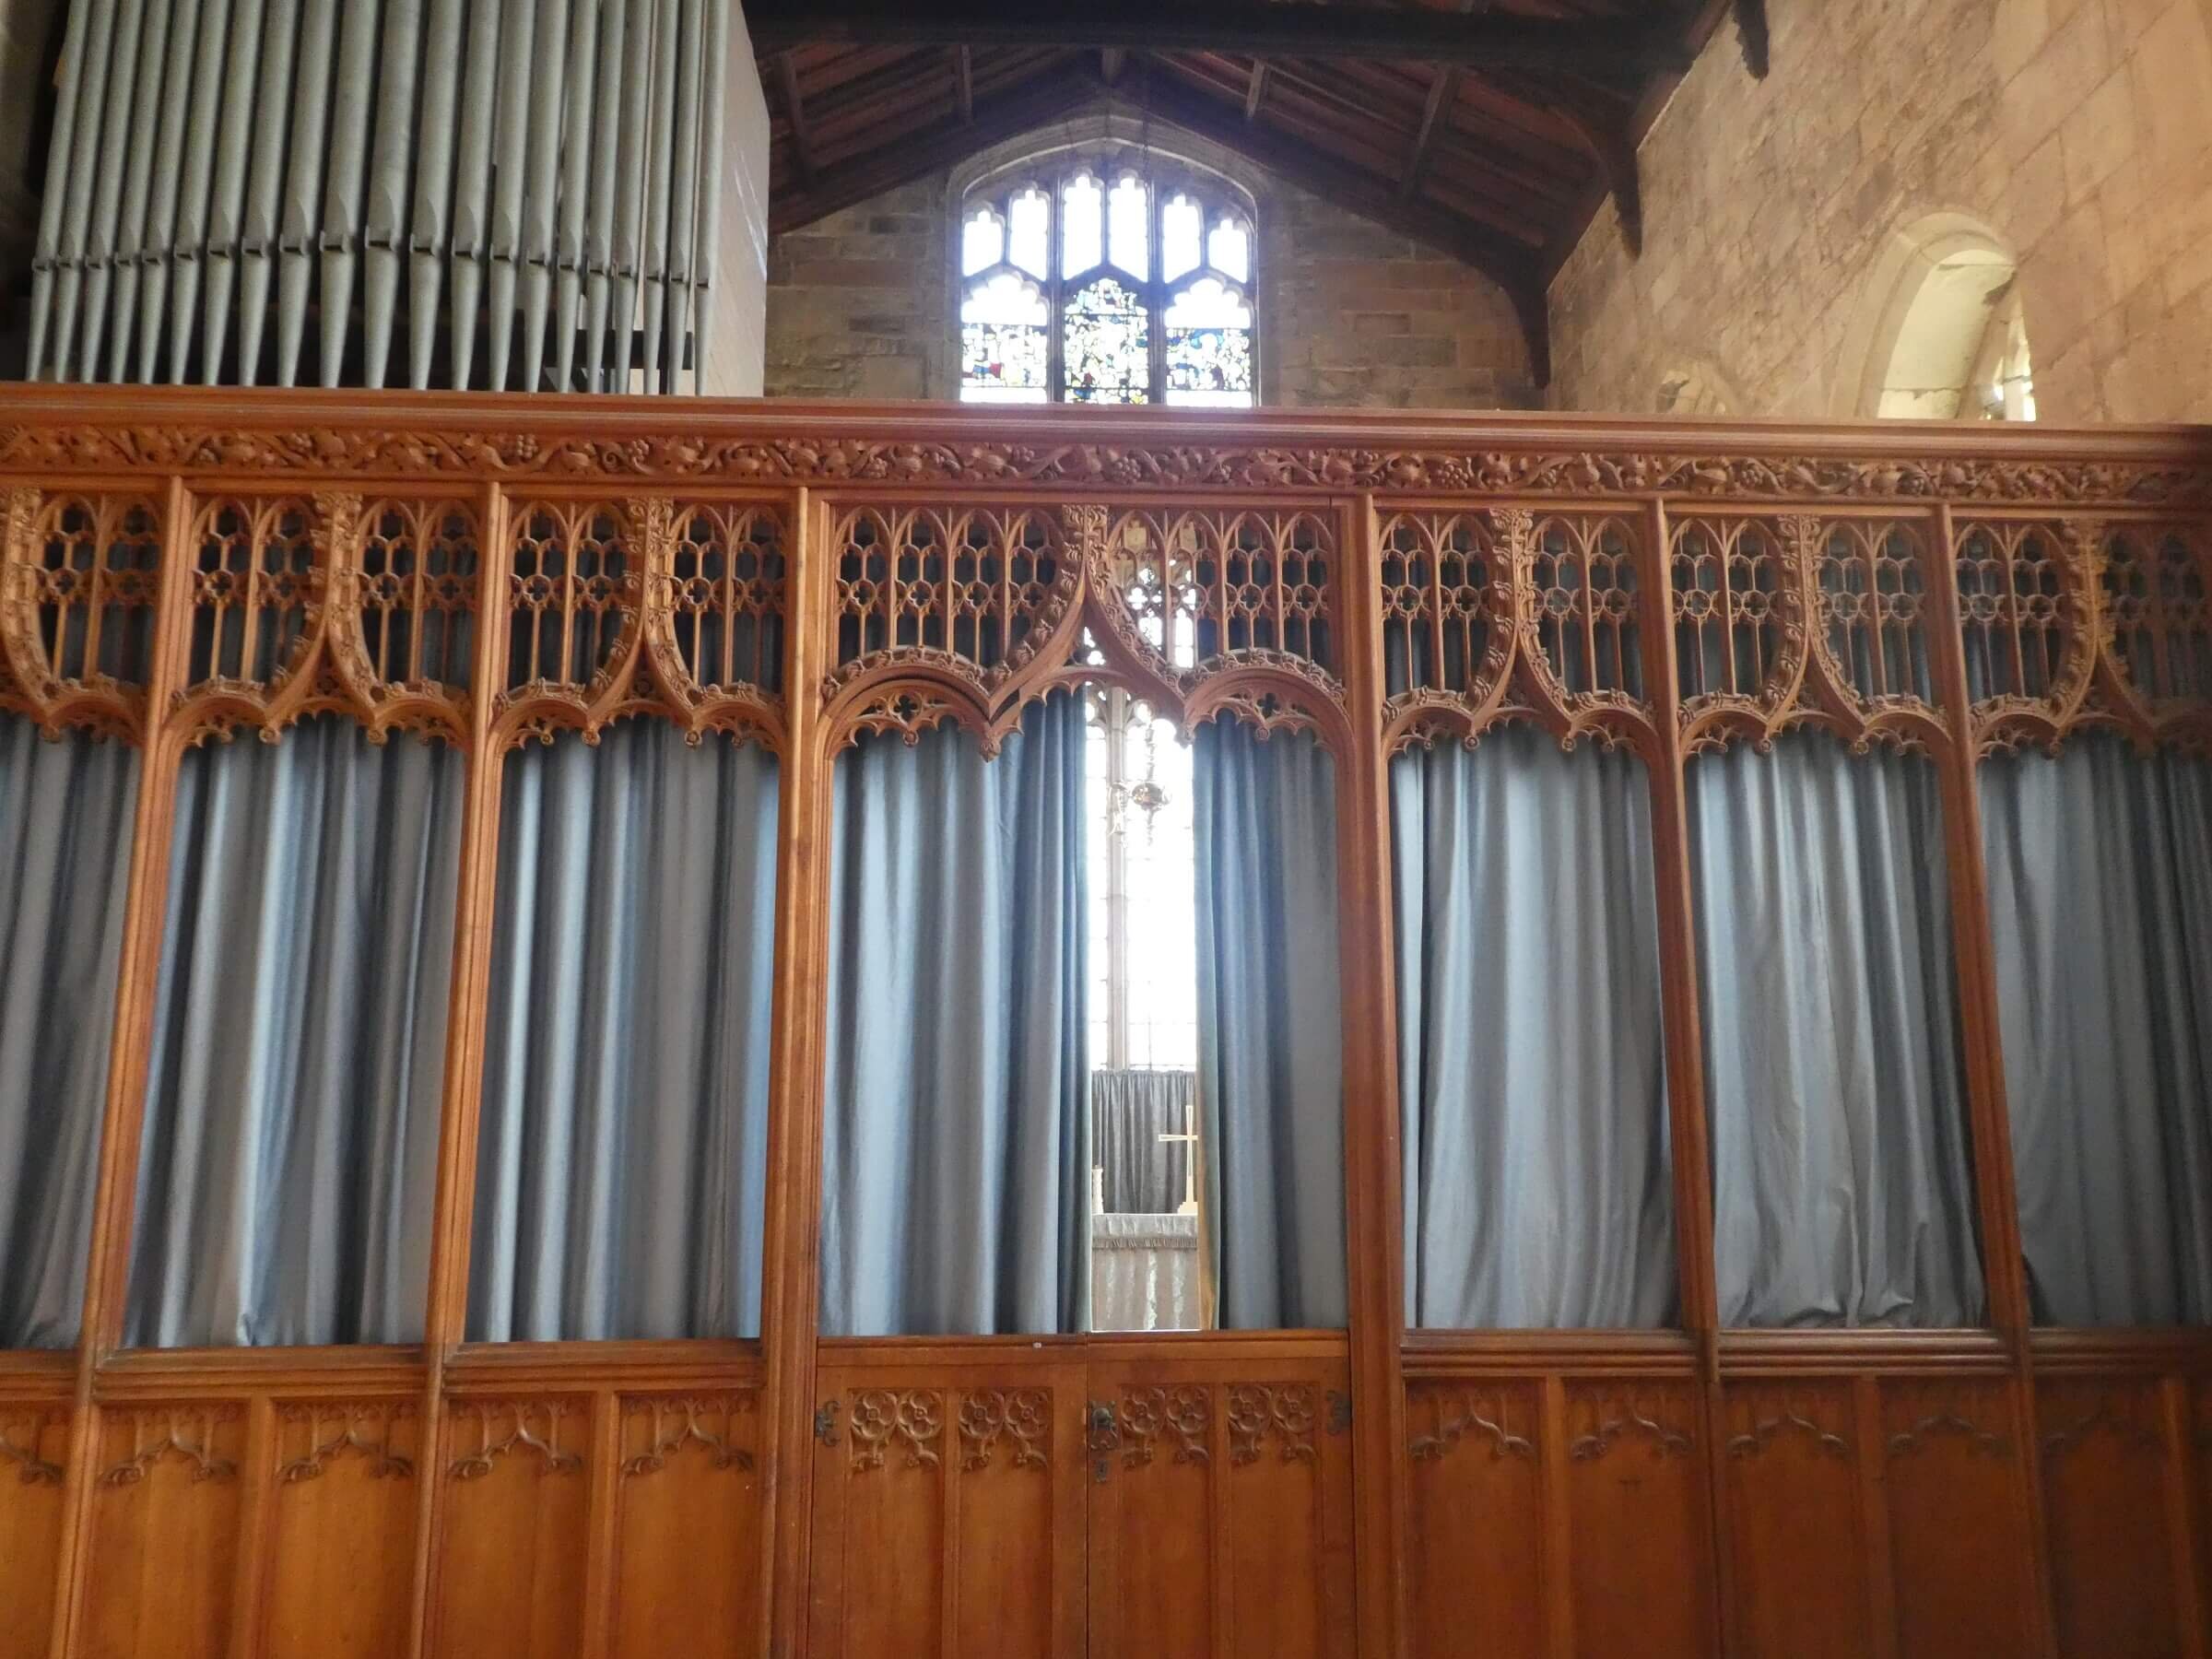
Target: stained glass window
{"type": "Point", "coordinates": [1104, 277]}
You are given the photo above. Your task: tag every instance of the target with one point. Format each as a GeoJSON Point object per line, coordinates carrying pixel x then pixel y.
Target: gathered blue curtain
{"type": "Point", "coordinates": [1130, 1111]}
{"type": "Point", "coordinates": [1531, 1050]}
{"type": "Point", "coordinates": [65, 817]}
{"type": "Point", "coordinates": [1270, 1037]}
{"type": "Point", "coordinates": [290, 1149]}
{"type": "Point", "coordinates": [2099, 869]}
{"type": "Point", "coordinates": [622, 1146]}
{"type": "Point", "coordinates": [955, 1159]}
{"type": "Point", "coordinates": [1843, 1190]}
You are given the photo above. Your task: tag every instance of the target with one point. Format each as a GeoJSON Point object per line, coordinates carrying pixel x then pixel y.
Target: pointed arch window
{"type": "Point", "coordinates": [1108, 279]}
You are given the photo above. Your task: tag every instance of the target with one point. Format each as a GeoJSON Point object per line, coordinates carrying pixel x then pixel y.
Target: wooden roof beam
{"type": "Point", "coordinates": [963, 80]}
{"type": "Point", "coordinates": [1751, 35]}
{"type": "Point", "coordinates": [1441, 90]}
{"type": "Point", "coordinates": [1616, 155]}
{"type": "Point", "coordinates": [1611, 50]}
{"type": "Point", "coordinates": [794, 112]}
{"type": "Point", "coordinates": [1258, 91]}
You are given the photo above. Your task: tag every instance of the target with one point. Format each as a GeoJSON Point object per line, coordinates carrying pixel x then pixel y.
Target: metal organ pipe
{"type": "Point", "coordinates": [226, 170]}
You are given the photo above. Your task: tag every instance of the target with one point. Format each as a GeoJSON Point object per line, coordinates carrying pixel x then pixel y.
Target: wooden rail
{"type": "Point", "coordinates": [1378, 582]}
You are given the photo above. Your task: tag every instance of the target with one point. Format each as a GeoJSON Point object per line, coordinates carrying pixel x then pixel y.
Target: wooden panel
{"type": "Point", "coordinates": [1220, 1508]}
{"type": "Point", "coordinates": [165, 1531]}
{"type": "Point", "coordinates": [510, 1562]}
{"type": "Point", "coordinates": [341, 1539]}
{"type": "Point", "coordinates": [2105, 1462]}
{"type": "Point", "coordinates": [687, 1575]}
{"type": "Point", "coordinates": [1794, 1465]}
{"type": "Point", "coordinates": [1476, 1537]}
{"type": "Point", "coordinates": [1637, 1500]}
{"type": "Point", "coordinates": [33, 1445]}
{"type": "Point", "coordinates": [947, 1515]}
{"type": "Point", "coordinates": [1958, 1525]}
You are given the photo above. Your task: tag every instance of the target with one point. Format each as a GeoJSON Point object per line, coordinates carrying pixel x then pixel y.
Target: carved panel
{"type": "Point", "coordinates": [532, 1430]}
{"type": "Point", "coordinates": [1178, 1419]}
{"type": "Point", "coordinates": [257, 593]}
{"type": "Point", "coordinates": [341, 1542]}
{"type": "Point", "coordinates": [1958, 1518]}
{"type": "Point", "coordinates": [34, 1446]}
{"type": "Point", "coordinates": [1498, 1418]}
{"type": "Point", "coordinates": [2157, 632]}
{"type": "Point", "coordinates": [412, 614]}
{"type": "Point", "coordinates": [1739, 622]}
{"type": "Point", "coordinates": [310, 1436]}
{"type": "Point", "coordinates": [1759, 1417]}
{"type": "Point", "coordinates": [78, 583]}
{"type": "Point", "coordinates": [1205, 588]}
{"type": "Point", "coordinates": [575, 587]}
{"type": "Point", "coordinates": [2105, 1458]}
{"type": "Point", "coordinates": [1637, 1495]}
{"type": "Point", "coordinates": [1602, 1420]}
{"type": "Point", "coordinates": [1281, 1415]}
{"type": "Point", "coordinates": [911, 1420]}
{"type": "Point", "coordinates": [1021, 1419]}
{"type": "Point", "coordinates": [1798, 1520]}
{"type": "Point", "coordinates": [163, 1549]}
{"type": "Point", "coordinates": [716, 621]}
{"type": "Point", "coordinates": [1447, 609]}
{"type": "Point", "coordinates": [2026, 615]}
{"type": "Point", "coordinates": [656, 1427]}
{"type": "Point", "coordinates": [978, 591]}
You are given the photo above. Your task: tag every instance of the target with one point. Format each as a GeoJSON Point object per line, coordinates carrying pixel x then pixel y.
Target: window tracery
{"type": "Point", "coordinates": [1107, 278]}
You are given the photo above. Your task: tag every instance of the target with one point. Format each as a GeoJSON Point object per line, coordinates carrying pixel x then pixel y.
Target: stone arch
{"type": "Point", "coordinates": [1939, 333]}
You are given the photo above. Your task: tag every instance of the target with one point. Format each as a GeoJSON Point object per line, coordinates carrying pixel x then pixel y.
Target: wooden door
{"type": "Point", "coordinates": [1220, 1499]}
{"type": "Point", "coordinates": [947, 1501]}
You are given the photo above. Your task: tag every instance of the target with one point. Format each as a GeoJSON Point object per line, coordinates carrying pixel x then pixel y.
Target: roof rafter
{"type": "Point", "coordinates": [1608, 48]}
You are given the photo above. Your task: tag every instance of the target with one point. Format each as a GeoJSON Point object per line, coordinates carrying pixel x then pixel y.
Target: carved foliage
{"type": "Point", "coordinates": [656, 1427]}
{"type": "Point", "coordinates": [188, 1433]}
{"type": "Point", "coordinates": [1498, 1418]}
{"type": "Point", "coordinates": [1603, 1420]}
{"type": "Point", "coordinates": [1179, 1416]}
{"type": "Point", "coordinates": [1914, 1417]}
{"type": "Point", "coordinates": [686, 451]}
{"type": "Point", "coordinates": [29, 1443]}
{"type": "Point", "coordinates": [1283, 1413]}
{"type": "Point", "coordinates": [910, 1420]}
{"type": "Point", "coordinates": [313, 1435]}
{"type": "Point", "coordinates": [1757, 1419]}
{"type": "Point", "coordinates": [2128, 1418]}
{"type": "Point", "coordinates": [499, 1429]}
{"type": "Point", "coordinates": [1021, 1419]}
{"type": "Point", "coordinates": [79, 576]}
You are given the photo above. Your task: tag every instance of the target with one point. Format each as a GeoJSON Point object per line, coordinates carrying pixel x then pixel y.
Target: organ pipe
{"type": "Point", "coordinates": [532, 184]}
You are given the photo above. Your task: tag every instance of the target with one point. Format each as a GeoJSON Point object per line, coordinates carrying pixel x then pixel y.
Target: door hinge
{"type": "Point", "coordinates": [1104, 1439]}
{"type": "Point", "coordinates": [825, 1423]}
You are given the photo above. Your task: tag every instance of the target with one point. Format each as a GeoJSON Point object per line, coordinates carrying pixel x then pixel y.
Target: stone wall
{"type": "Point", "coordinates": [1350, 314]}
{"type": "Point", "coordinates": [2078, 131]}
{"type": "Point", "coordinates": [732, 345]}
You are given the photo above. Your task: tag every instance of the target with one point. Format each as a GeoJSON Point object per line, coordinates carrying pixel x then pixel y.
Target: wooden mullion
{"type": "Point", "coordinates": [1997, 1196]}
{"type": "Point", "coordinates": [256, 1507]}
{"type": "Point", "coordinates": [1868, 1455]}
{"type": "Point", "coordinates": [137, 981]}
{"type": "Point", "coordinates": [1371, 1104]}
{"type": "Point", "coordinates": [445, 1313]}
{"type": "Point", "coordinates": [602, 1523]}
{"type": "Point", "coordinates": [1686, 1126]}
{"type": "Point", "coordinates": [792, 1249]}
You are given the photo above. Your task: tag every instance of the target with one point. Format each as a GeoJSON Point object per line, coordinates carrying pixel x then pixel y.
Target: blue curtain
{"type": "Point", "coordinates": [1531, 1054]}
{"type": "Point", "coordinates": [1270, 1052]}
{"type": "Point", "coordinates": [1843, 1189]}
{"type": "Point", "coordinates": [622, 1149]}
{"type": "Point", "coordinates": [65, 816]}
{"type": "Point", "coordinates": [2099, 865]}
{"type": "Point", "coordinates": [291, 1145]}
{"type": "Point", "coordinates": [956, 1163]}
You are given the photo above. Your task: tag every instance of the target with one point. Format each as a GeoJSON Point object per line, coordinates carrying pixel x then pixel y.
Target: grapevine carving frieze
{"type": "Point", "coordinates": [1022, 1417]}
{"type": "Point", "coordinates": [170, 447]}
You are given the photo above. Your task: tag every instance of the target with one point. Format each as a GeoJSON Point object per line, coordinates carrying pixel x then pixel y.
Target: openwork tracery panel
{"type": "Point", "coordinates": [415, 590]}
{"type": "Point", "coordinates": [572, 596]}
{"type": "Point", "coordinates": [976, 591]}
{"type": "Point", "coordinates": [1794, 619]}
{"type": "Point", "coordinates": [2157, 601]}
{"type": "Point", "coordinates": [2025, 615]}
{"type": "Point", "coordinates": [1504, 612]}
{"type": "Point", "coordinates": [76, 610]}
{"type": "Point", "coordinates": [1205, 589]}
{"type": "Point", "coordinates": [257, 592]}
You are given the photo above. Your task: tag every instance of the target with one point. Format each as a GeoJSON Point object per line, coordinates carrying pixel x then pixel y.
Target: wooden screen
{"type": "Point", "coordinates": [182, 567]}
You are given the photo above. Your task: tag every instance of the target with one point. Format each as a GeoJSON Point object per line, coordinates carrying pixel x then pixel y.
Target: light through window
{"type": "Point", "coordinates": [1098, 280]}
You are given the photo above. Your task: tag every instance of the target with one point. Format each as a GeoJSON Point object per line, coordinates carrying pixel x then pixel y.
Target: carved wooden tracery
{"type": "Point", "coordinates": [1285, 1413]}
{"type": "Point", "coordinates": [507, 1428]}
{"type": "Point", "coordinates": [1604, 1418]}
{"type": "Point", "coordinates": [670, 1423]}
{"type": "Point", "coordinates": [328, 1430]}
{"type": "Point", "coordinates": [1486, 1415]}
{"type": "Point", "coordinates": [80, 578]}
{"type": "Point", "coordinates": [1509, 613]}
{"type": "Point", "coordinates": [1796, 620]}
{"type": "Point", "coordinates": [910, 1418]}
{"type": "Point", "coordinates": [970, 616]}
{"type": "Point", "coordinates": [185, 1432]}
{"type": "Point", "coordinates": [1020, 1418]}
